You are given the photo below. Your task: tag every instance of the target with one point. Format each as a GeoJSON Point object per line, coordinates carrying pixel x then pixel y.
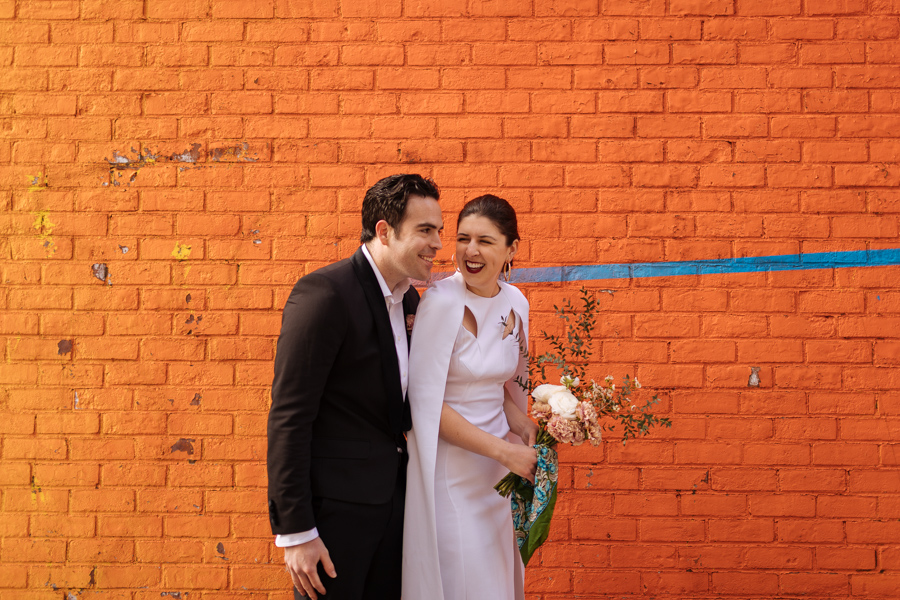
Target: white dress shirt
{"type": "Point", "coordinates": [393, 300]}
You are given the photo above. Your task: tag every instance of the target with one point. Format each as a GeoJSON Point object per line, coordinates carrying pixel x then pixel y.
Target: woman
{"type": "Point", "coordinates": [467, 350]}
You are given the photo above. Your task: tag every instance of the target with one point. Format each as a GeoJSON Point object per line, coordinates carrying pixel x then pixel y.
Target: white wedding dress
{"type": "Point", "coordinates": [476, 544]}
{"type": "Point", "coordinates": [458, 534]}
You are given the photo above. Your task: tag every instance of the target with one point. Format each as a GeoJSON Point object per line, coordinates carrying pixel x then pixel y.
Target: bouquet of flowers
{"type": "Point", "coordinates": [571, 413]}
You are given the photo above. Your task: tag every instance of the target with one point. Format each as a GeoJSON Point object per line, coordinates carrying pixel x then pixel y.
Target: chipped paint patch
{"type": "Point", "coordinates": [64, 347]}
{"type": "Point", "coordinates": [192, 156]}
{"type": "Point", "coordinates": [754, 377]}
{"type": "Point", "coordinates": [38, 183]}
{"type": "Point", "coordinates": [241, 152]}
{"type": "Point", "coordinates": [183, 445]}
{"type": "Point", "coordinates": [188, 156]}
{"type": "Point", "coordinates": [77, 407]}
{"type": "Point", "coordinates": [101, 272]}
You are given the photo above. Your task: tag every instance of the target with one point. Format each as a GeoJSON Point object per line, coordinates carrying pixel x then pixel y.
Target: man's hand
{"type": "Point", "coordinates": [302, 563]}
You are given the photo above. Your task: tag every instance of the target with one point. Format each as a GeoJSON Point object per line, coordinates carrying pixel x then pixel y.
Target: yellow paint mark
{"type": "Point", "coordinates": [44, 227]}
{"type": "Point", "coordinates": [37, 183]}
{"type": "Point", "coordinates": [181, 251]}
{"type": "Point", "coordinates": [42, 224]}
{"type": "Point", "coordinates": [37, 493]}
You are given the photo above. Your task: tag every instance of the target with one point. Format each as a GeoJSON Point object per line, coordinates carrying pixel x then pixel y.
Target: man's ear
{"type": "Point", "coordinates": [381, 231]}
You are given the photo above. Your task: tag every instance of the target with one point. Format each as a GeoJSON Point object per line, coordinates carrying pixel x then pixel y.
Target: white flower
{"type": "Point", "coordinates": [637, 384]}
{"type": "Point", "coordinates": [543, 392]}
{"type": "Point", "coordinates": [569, 381]}
{"type": "Point", "coordinates": [563, 403]}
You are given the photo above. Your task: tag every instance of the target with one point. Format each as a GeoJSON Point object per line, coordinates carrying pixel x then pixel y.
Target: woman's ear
{"type": "Point", "coordinates": [513, 248]}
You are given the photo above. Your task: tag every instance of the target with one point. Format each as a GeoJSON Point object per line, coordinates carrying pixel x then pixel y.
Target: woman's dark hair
{"type": "Point", "coordinates": [386, 200]}
{"type": "Point", "coordinates": [498, 210]}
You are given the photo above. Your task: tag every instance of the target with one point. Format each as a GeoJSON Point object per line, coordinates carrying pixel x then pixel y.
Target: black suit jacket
{"type": "Point", "coordinates": [337, 414]}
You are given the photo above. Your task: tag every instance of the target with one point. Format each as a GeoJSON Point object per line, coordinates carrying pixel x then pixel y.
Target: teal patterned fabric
{"type": "Point", "coordinates": [532, 505]}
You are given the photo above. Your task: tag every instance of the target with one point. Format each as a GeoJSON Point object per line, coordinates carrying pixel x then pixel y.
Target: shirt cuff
{"type": "Point", "coordinates": [295, 539]}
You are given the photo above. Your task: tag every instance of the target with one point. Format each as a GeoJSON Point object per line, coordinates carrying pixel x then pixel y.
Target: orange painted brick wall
{"type": "Point", "coordinates": [168, 168]}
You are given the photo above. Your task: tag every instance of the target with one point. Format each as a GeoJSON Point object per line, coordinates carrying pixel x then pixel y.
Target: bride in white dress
{"type": "Point", "coordinates": [469, 422]}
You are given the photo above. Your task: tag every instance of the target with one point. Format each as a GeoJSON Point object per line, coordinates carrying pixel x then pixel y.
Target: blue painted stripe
{"type": "Point", "coordinates": [788, 262]}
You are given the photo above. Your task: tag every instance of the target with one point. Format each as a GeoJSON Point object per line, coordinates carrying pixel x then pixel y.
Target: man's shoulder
{"type": "Point", "coordinates": [336, 274]}
{"type": "Point", "coordinates": [326, 284]}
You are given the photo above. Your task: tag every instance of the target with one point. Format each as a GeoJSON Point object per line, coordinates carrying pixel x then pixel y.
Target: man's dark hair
{"type": "Point", "coordinates": [498, 210]}
{"type": "Point", "coordinates": [386, 200]}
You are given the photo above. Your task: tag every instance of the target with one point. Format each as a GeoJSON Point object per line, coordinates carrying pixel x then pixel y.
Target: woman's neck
{"type": "Point", "coordinates": [484, 293]}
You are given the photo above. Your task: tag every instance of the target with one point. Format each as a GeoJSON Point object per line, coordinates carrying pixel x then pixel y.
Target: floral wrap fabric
{"type": "Point", "coordinates": [532, 505]}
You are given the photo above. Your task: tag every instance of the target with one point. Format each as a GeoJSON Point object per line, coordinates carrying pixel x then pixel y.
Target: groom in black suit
{"type": "Point", "coordinates": [337, 451]}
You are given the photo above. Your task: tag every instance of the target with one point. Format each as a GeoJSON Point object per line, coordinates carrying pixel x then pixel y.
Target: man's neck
{"type": "Point", "coordinates": [376, 251]}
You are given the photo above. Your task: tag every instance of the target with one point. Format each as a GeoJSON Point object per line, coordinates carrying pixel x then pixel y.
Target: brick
{"type": "Point", "coordinates": [695, 101]}
{"type": "Point", "coordinates": [838, 453]}
{"type": "Point", "coordinates": [26, 550]}
{"type": "Point", "coordinates": [741, 530]}
{"type": "Point", "coordinates": [611, 78]}
{"type": "Point", "coordinates": [101, 550]}
{"type": "Point", "coordinates": [670, 29]}
{"type": "Point", "coordinates": [843, 507]}
{"type": "Point", "coordinates": [732, 77]}
{"type": "Point", "coordinates": [845, 558]}
{"type": "Point", "coordinates": [873, 585]}
{"type": "Point", "coordinates": [636, 7]}
{"type": "Point", "coordinates": [867, 28]}
{"type": "Point", "coordinates": [62, 525]}
{"type": "Point", "coordinates": [732, 127]}
{"type": "Point", "coordinates": [743, 479]}
{"type": "Point", "coordinates": [705, 53]}
{"type": "Point", "coordinates": [670, 530]}
{"type": "Point", "coordinates": [792, 558]}
{"type": "Point", "coordinates": [631, 151]}
{"type": "Point", "coordinates": [125, 577]}
{"type": "Point", "coordinates": [785, 53]}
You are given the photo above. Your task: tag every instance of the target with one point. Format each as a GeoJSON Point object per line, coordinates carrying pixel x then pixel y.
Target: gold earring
{"type": "Point", "coordinates": [455, 264]}
{"type": "Point", "coordinates": [507, 271]}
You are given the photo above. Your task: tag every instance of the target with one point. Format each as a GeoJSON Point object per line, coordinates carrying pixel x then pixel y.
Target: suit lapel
{"type": "Point", "coordinates": [388, 351]}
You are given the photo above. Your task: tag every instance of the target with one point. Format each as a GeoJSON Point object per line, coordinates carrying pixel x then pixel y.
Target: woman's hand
{"type": "Point", "coordinates": [529, 433]}
{"type": "Point", "coordinates": [521, 460]}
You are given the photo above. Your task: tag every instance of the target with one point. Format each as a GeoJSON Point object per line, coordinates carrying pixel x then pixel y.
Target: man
{"type": "Point", "coordinates": [337, 453]}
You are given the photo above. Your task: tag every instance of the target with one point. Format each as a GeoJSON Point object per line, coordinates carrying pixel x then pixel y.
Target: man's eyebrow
{"type": "Point", "coordinates": [431, 225]}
